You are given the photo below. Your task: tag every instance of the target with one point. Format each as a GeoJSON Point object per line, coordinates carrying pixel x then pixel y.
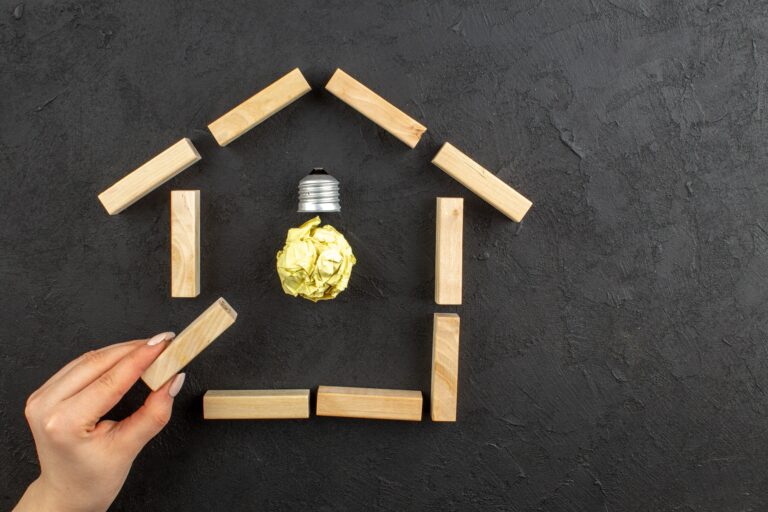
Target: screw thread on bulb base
{"type": "Point", "coordinates": [319, 192]}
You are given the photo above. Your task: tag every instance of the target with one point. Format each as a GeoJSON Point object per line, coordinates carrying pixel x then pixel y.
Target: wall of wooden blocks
{"type": "Point", "coordinates": [445, 366]}
{"type": "Point", "coordinates": [260, 404]}
{"type": "Point", "coordinates": [185, 243]}
{"type": "Point", "coordinates": [371, 403]}
{"type": "Point", "coordinates": [449, 250]}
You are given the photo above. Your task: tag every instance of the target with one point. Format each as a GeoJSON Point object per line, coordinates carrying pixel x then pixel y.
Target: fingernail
{"type": "Point", "coordinates": [159, 338]}
{"type": "Point", "coordinates": [178, 381]}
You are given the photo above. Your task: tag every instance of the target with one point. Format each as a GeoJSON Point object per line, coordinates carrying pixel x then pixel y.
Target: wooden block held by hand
{"type": "Point", "coordinates": [445, 366]}
{"type": "Point", "coordinates": [449, 250]}
{"type": "Point", "coordinates": [259, 107]}
{"type": "Point", "coordinates": [187, 345]}
{"type": "Point", "coordinates": [149, 176]}
{"type": "Point", "coordinates": [482, 182]}
{"type": "Point", "coordinates": [375, 108]}
{"type": "Point", "coordinates": [378, 404]}
{"type": "Point", "coordinates": [185, 243]}
{"type": "Point", "coordinates": [256, 404]}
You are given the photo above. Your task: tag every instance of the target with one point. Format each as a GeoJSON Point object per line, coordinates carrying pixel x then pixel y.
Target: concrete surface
{"type": "Point", "coordinates": [613, 346]}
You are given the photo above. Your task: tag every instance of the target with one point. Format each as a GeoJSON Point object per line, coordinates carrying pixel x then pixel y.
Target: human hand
{"type": "Point", "coordinates": [84, 460]}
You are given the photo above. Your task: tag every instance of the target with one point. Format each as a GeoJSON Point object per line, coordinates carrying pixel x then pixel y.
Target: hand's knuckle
{"type": "Point", "coordinates": [32, 406]}
{"type": "Point", "coordinates": [93, 357]}
{"type": "Point", "coordinates": [161, 418]}
{"type": "Point", "coordinates": [55, 425]}
{"type": "Point", "coordinates": [107, 381]}
{"type": "Point", "coordinates": [111, 386]}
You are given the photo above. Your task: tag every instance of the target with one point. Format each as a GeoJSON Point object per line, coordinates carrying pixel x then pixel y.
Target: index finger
{"type": "Point", "coordinates": [79, 372]}
{"type": "Point", "coordinates": [101, 395]}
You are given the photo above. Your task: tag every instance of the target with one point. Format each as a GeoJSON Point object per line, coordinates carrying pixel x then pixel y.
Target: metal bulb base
{"type": "Point", "coordinates": [319, 192]}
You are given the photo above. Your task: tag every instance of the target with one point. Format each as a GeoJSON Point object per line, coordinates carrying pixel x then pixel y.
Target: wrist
{"type": "Point", "coordinates": [35, 498]}
{"type": "Point", "coordinates": [42, 497]}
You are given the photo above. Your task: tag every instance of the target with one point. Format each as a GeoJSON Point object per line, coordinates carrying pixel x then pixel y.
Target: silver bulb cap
{"type": "Point", "coordinates": [319, 192]}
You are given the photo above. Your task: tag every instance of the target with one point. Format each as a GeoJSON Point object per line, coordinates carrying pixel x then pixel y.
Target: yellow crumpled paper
{"type": "Point", "coordinates": [316, 262]}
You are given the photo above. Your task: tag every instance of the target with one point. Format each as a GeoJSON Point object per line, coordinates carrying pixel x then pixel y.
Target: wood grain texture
{"type": "Point", "coordinates": [449, 252]}
{"type": "Point", "coordinates": [192, 340]}
{"type": "Point", "coordinates": [185, 243]}
{"type": "Point", "coordinates": [444, 390]}
{"type": "Point", "coordinates": [259, 107]}
{"type": "Point", "coordinates": [256, 404]}
{"type": "Point", "coordinates": [375, 108]}
{"type": "Point", "coordinates": [379, 404]}
{"type": "Point", "coordinates": [482, 182]}
{"type": "Point", "coordinates": [149, 176]}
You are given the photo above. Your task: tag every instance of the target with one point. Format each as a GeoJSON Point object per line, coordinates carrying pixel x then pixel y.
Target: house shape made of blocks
{"type": "Point", "coordinates": [389, 404]}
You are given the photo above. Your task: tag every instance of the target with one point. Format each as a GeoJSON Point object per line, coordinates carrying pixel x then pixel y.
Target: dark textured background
{"type": "Point", "coordinates": [613, 346]}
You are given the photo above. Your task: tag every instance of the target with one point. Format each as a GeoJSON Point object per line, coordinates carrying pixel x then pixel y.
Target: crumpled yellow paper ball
{"type": "Point", "coordinates": [316, 262]}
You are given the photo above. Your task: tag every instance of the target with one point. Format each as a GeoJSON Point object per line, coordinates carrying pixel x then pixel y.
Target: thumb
{"type": "Point", "coordinates": [137, 429]}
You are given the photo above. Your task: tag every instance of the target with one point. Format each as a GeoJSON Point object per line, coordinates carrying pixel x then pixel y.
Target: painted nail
{"type": "Point", "coordinates": [178, 381]}
{"type": "Point", "coordinates": [159, 338]}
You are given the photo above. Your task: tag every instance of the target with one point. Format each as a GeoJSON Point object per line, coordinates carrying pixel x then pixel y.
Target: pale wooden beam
{"type": "Point", "coordinates": [375, 108]}
{"type": "Point", "coordinates": [149, 176]}
{"type": "Point", "coordinates": [259, 107]}
{"type": "Point", "coordinates": [445, 366]}
{"type": "Point", "coordinates": [185, 243]}
{"type": "Point", "coordinates": [482, 182]}
{"type": "Point", "coordinates": [379, 404]}
{"type": "Point", "coordinates": [256, 404]}
{"type": "Point", "coordinates": [187, 345]}
{"type": "Point", "coordinates": [449, 250]}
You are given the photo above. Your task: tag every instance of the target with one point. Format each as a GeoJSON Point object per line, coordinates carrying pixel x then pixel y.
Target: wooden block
{"type": "Point", "coordinates": [261, 404]}
{"type": "Point", "coordinates": [149, 176]}
{"type": "Point", "coordinates": [185, 243]}
{"type": "Point", "coordinates": [449, 250]}
{"type": "Point", "coordinates": [445, 366]}
{"type": "Point", "coordinates": [482, 182]}
{"type": "Point", "coordinates": [378, 404]}
{"type": "Point", "coordinates": [375, 108]}
{"type": "Point", "coordinates": [259, 107]}
{"type": "Point", "coordinates": [187, 345]}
